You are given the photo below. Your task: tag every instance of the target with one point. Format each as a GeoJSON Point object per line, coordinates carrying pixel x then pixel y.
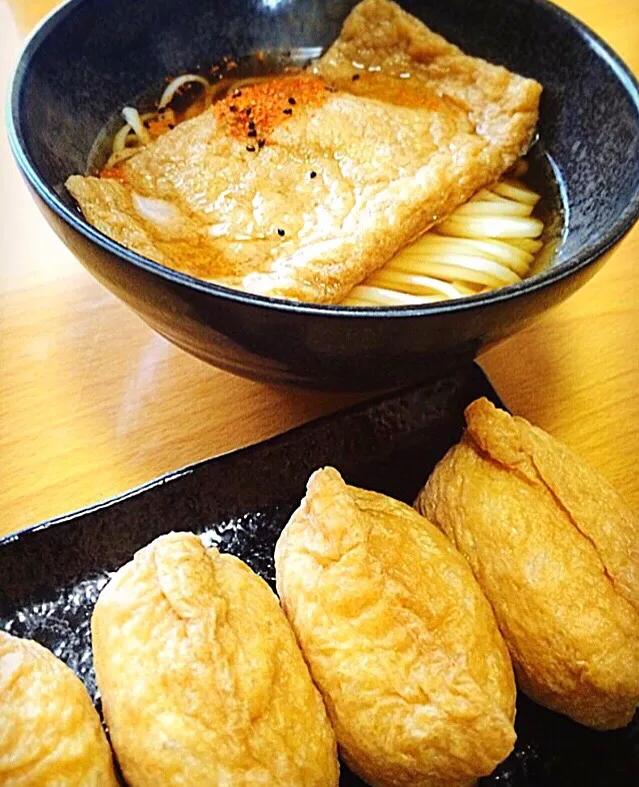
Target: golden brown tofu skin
{"type": "Point", "coordinates": [202, 681]}
{"type": "Point", "coordinates": [556, 551]}
{"type": "Point", "coordinates": [50, 733]}
{"type": "Point", "coordinates": [422, 128]}
{"type": "Point", "coordinates": [399, 638]}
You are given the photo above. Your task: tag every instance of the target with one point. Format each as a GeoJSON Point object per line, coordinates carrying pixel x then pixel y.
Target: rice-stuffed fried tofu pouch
{"type": "Point", "coordinates": [398, 637]}
{"type": "Point", "coordinates": [50, 733]}
{"type": "Point", "coordinates": [556, 551]}
{"type": "Point", "coordinates": [316, 195]}
{"type": "Point", "coordinates": [201, 678]}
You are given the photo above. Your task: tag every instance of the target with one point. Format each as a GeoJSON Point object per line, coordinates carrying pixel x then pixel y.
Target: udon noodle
{"type": "Point", "coordinates": [489, 242]}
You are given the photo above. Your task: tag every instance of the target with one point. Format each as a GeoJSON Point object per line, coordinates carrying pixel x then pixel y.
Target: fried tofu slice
{"type": "Point", "coordinates": [50, 733]}
{"type": "Point", "coordinates": [390, 131]}
{"type": "Point", "coordinates": [399, 638]}
{"type": "Point", "coordinates": [556, 551]}
{"type": "Point", "coordinates": [201, 678]}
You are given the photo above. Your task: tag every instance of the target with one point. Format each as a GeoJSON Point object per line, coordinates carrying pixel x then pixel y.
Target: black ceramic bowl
{"type": "Point", "coordinates": [92, 57]}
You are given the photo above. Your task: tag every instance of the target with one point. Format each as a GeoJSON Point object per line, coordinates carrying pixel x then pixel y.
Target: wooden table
{"type": "Point", "coordinates": [92, 402]}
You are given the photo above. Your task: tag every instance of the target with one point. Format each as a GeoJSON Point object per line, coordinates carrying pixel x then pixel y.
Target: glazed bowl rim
{"type": "Point", "coordinates": [582, 259]}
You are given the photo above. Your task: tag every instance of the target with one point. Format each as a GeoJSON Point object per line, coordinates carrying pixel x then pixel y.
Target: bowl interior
{"type": "Point", "coordinates": [91, 58]}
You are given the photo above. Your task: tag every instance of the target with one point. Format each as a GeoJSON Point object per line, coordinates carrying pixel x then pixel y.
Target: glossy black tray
{"type": "Point", "coordinates": [50, 575]}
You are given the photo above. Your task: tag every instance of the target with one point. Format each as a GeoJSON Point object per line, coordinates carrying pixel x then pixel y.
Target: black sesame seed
{"type": "Point", "coordinates": [252, 133]}
{"type": "Point", "coordinates": [251, 124]}
{"type": "Point", "coordinates": [171, 126]}
{"type": "Point", "coordinates": [313, 174]}
{"type": "Point", "coordinates": [288, 111]}
{"type": "Point", "coordinates": [233, 108]}
{"type": "Point", "coordinates": [250, 148]}
{"type": "Point", "coordinates": [355, 77]}
{"type": "Point", "coordinates": [292, 101]}
{"type": "Point", "coordinates": [281, 233]}
{"type": "Point", "coordinates": [248, 111]}
{"type": "Point", "coordinates": [261, 143]}
{"type": "Point", "coordinates": [236, 93]}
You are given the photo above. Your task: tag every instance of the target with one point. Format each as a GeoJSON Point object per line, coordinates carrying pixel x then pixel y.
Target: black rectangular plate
{"type": "Point", "coordinates": [50, 575]}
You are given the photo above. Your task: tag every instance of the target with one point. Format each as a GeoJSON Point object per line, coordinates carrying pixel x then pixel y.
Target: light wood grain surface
{"type": "Point", "coordinates": [92, 402]}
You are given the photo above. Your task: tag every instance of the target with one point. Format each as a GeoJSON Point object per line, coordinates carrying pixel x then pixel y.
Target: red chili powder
{"type": "Point", "coordinates": [114, 173]}
{"type": "Point", "coordinates": [254, 111]}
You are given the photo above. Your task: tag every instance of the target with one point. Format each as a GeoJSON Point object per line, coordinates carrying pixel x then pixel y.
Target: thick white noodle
{"type": "Point", "coordinates": [505, 252]}
{"type": "Point", "coordinates": [481, 208]}
{"type": "Point", "coordinates": [412, 283]}
{"type": "Point", "coordinates": [381, 296]}
{"type": "Point", "coordinates": [119, 140]}
{"type": "Point", "coordinates": [512, 190]}
{"type": "Point", "coordinates": [176, 84]}
{"type": "Point", "coordinates": [132, 117]}
{"type": "Point", "coordinates": [487, 243]}
{"type": "Point", "coordinates": [529, 245]}
{"type": "Point", "coordinates": [475, 269]}
{"type": "Point", "coordinates": [490, 227]}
